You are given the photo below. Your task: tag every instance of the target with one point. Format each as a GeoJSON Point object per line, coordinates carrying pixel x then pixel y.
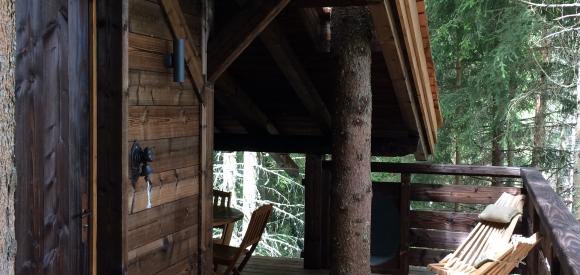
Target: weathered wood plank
{"type": "Point", "coordinates": [560, 224]}
{"type": "Point", "coordinates": [162, 221]}
{"type": "Point", "coordinates": [163, 253]}
{"type": "Point", "coordinates": [172, 186]}
{"type": "Point", "coordinates": [441, 169]}
{"type": "Point", "coordinates": [157, 122]}
{"type": "Point", "coordinates": [173, 153]}
{"type": "Point", "coordinates": [149, 88]}
{"type": "Point", "coordinates": [205, 255]}
{"type": "Point", "coordinates": [146, 17]}
{"type": "Point", "coordinates": [166, 187]}
{"type": "Point", "coordinates": [436, 238]}
{"type": "Point", "coordinates": [449, 221]}
{"type": "Point", "coordinates": [459, 194]}
{"type": "Point", "coordinates": [233, 39]}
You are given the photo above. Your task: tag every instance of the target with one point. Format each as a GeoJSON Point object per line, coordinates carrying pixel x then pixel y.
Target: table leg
{"type": "Point", "coordinates": [227, 233]}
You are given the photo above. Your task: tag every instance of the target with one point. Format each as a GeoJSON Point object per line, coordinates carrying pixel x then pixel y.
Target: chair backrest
{"type": "Point", "coordinates": [489, 236]}
{"type": "Point", "coordinates": [222, 198]}
{"type": "Point", "coordinates": [257, 225]}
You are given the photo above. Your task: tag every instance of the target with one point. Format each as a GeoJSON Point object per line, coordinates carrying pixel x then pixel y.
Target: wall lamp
{"type": "Point", "coordinates": [176, 60]}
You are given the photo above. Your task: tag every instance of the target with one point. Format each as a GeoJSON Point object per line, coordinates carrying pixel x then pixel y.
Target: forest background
{"type": "Point", "coordinates": [508, 73]}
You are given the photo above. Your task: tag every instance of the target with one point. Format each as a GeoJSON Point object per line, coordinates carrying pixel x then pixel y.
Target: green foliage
{"type": "Point", "coordinates": [493, 60]}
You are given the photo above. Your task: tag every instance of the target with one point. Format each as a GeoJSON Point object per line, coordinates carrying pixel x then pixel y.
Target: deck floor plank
{"type": "Point", "coordinates": [259, 265]}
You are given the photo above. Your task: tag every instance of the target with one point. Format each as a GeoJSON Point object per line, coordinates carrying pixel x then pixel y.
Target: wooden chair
{"type": "Point", "coordinates": [486, 239]}
{"type": "Point", "coordinates": [229, 255]}
{"type": "Point", "coordinates": [223, 199]}
{"type": "Point", "coordinates": [508, 258]}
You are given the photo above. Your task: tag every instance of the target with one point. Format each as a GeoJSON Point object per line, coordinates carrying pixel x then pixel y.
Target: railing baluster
{"type": "Point", "coordinates": [405, 212]}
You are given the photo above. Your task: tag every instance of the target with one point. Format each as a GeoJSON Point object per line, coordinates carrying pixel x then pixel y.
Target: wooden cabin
{"type": "Point", "coordinates": [92, 81]}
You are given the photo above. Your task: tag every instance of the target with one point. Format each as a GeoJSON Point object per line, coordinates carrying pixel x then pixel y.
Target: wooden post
{"type": "Point", "coordinates": [405, 212]}
{"type": "Point", "coordinates": [313, 219]}
{"type": "Point", "coordinates": [530, 221]}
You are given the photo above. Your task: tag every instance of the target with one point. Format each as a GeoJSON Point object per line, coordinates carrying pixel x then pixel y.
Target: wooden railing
{"type": "Point", "coordinates": [429, 235]}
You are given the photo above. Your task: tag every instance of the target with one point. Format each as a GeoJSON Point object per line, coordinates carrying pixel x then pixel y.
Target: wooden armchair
{"type": "Point", "coordinates": [223, 199]}
{"type": "Point", "coordinates": [485, 239]}
{"type": "Point", "coordinates": [229, 255]}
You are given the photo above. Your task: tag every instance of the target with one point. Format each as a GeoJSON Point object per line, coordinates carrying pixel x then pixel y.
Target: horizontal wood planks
{"type": "Point", "coordinates": [165, 116]}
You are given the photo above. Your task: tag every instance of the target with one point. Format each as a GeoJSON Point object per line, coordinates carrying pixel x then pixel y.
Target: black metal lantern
{"type": "Point", "coordinates": [176, 60]}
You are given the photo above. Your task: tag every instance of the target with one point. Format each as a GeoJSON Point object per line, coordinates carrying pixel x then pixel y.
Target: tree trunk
{"type": "Point", "coordinates": [351, 142]}
{"type": "Point", "coordinates": [250, 190]}
{"type": "Point", "coordinates": [230, 172]}
{"type": "Point", "coordinates": [576, 201]}
{"type": "Point", "coordinates": [7, 124]}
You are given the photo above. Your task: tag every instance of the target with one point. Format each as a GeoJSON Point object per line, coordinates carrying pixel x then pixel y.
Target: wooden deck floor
{"type": "Point", "coordinates": [285, 266]}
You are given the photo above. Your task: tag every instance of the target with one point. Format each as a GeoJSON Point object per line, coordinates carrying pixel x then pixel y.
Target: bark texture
{"type": "Point", "coordinates": [351, 142]}
{"type": "Point", "coordinates": [7, 124]}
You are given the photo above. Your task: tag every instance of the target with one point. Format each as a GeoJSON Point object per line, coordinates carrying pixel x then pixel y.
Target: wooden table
{"type": "Point", "coordinates": [225, 217]}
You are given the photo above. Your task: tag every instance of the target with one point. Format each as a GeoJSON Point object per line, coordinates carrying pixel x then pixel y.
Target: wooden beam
{"type": "Point", "coordinates": [286, 163]}
{"type": "Point", "coordinates": [288, 62]}
{"type": "Point", "coordinates": [181, 30]}
{"type": "Point", "coordinates": [391, 46]}
{"type": "Point", "coordinates": [235, 37]}
{"type": "Point", "coordinates": [335, 3]}
{"type": "Point", "coordinates": [307, 144]}
{"type": "Point", "coordinates": [441, 169]}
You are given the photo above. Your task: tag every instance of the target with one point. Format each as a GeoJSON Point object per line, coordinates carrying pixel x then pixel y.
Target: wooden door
{"type": "Point", "coordinates": [52, 136]}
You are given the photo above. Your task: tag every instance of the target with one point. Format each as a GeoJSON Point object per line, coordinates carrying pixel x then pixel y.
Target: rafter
{"type": "Point", "coordinates": [391, 47]}
{"type": "Point", "coordinates": [235, 37]}
{"type": "Point", "coordinates": [289, 64]}
{"type": "Point", "coordinates": [231, 96]}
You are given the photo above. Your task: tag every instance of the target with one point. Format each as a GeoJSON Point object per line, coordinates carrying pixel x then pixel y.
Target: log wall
{"type": "Point", "coordinates": [163, 115]}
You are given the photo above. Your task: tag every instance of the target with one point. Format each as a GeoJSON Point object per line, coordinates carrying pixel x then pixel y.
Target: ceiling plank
{"type": "Point", "coordinates": [288, 62]}
{"type": "Point", "coordinates": [181, 30]}
{"type": "Point", "coordinates": [235, 37]}
{"type": "Point", "coordinates": [391, 46]}
{"type": "Point", "coordinates": [239, 104]}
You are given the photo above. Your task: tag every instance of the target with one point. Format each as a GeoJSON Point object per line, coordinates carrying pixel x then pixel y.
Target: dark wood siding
{"type": "Point", "coordinates": [165, 116]}
{"type": "Point", "coordinates": [52, 81]}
